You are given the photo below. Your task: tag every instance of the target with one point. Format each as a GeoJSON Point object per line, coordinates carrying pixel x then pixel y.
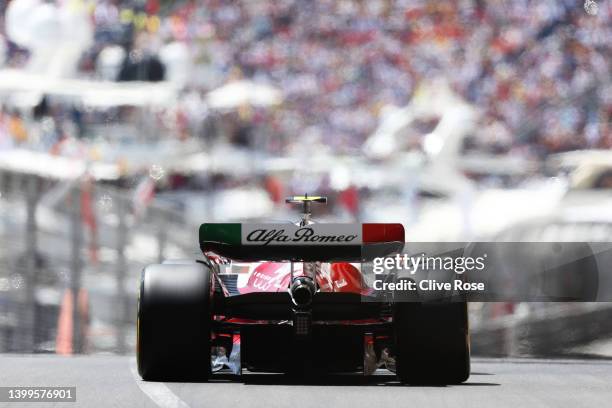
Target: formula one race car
{"type": "Point", "coordinates": [291, 298]}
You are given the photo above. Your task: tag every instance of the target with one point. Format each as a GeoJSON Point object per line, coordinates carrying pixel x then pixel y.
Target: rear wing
{"type": "Point", "coordinates": [289, 242]}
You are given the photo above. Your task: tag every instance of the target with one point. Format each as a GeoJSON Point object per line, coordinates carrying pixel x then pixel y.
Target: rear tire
{"type": "Point", "coordinates": [174, 321]}
{"type": "Point", "coordinates": [432, 343]}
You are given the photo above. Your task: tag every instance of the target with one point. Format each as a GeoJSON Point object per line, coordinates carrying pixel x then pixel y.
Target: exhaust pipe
{"type": "Point", "coordinates": [302, 290]}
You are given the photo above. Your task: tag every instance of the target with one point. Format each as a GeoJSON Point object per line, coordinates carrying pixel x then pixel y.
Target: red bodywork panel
{"type": "Point", "coordinates": [276, 277]}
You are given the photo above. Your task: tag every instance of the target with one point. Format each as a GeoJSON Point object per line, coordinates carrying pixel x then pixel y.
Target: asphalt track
{"type": "Point", "coordinates": [111, 381]}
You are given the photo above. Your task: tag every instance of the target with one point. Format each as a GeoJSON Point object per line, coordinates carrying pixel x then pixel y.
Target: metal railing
{"type": "Point", "coordinates": [66, 243]}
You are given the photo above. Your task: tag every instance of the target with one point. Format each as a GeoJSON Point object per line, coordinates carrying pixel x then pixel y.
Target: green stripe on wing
{"type": "Point", "coordinates": [226, 233]}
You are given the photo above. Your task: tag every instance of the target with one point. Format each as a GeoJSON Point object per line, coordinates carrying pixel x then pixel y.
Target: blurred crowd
{"type": "Point", "coordinates": [538, 70]}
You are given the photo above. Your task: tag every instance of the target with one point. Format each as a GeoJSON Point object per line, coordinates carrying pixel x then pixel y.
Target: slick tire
{"type": "Point", "coordinates": [174, 322]}
{"type": "Point", "coordinates": [432, 343]}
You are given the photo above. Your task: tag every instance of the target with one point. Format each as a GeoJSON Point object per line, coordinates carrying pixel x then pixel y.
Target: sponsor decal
{"type": "Point", "coordinates": [287, 234]}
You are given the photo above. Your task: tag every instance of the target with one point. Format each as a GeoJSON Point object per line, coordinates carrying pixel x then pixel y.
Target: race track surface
{"type": "Point", "coordinates": [111, 381]}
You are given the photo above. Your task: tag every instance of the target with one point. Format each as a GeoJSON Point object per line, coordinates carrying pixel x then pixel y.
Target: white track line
{"type": "Point", "coordinates": [158, 392]}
